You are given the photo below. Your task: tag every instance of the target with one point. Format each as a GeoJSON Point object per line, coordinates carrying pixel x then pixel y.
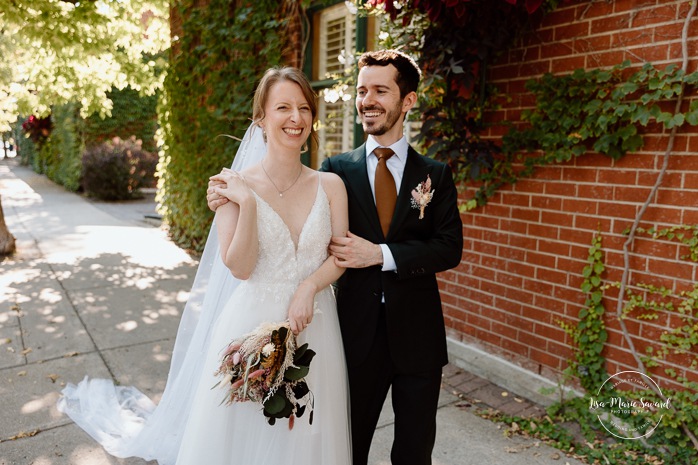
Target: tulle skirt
{"type": "Point", "coordinates": [239, 434]}
{"type": "Point", "coordinates": [190, 425]}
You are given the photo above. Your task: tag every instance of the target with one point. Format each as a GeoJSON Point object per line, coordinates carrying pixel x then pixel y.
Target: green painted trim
{"type": "Point", "coordinates": [361, 43]}
{"type": "Point", "coordinates": [323, 83]}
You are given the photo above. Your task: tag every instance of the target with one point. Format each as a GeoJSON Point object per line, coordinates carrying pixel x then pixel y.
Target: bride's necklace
{"type": "Point", "coordinates": [281, 192]}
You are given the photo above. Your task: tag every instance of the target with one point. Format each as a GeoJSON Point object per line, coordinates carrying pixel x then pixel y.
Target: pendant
{"type": "Point", "coordinates": [281, 194]}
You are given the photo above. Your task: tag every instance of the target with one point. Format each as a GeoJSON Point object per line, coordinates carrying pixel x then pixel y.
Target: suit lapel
{"type": "Point", "coordinates": [415, 172]}
{"type": "Point", "coordinates": [360, 187]}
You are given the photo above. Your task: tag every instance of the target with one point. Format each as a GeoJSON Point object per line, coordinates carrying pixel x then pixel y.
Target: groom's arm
{"type": "Point", "coordinates": [440, 252]}
{"type": "Point", "coordinates": [352, 251]}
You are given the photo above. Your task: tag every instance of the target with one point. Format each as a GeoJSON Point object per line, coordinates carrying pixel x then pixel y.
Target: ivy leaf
{"type": "Point", "coordinates": [604, 76]}
{"type": "Point", "coordinates": [642, 115]}
{"type": "Point", "coordinates": [691, 79]}
{"type": "Point", "coordinates": [677, 120]}
{"type": "Point", "coordinates": [596, 296]}
{"type": "Point", "coordinates": [633, 143]}
{"type": "Point", "coordinates": [593, 106]}
{"type": "Point", "coordinates": [626, 89]}
{"type": "Point", "coordinates": [664, 117]}
{"type": "Point", "coordinates": [692, 118]}
{"type": "Point", "coordinates": [655, 83]}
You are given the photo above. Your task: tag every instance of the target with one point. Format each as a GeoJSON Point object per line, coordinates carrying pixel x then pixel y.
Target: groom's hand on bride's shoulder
{"type": "Point", "coordinates": [213, 199]}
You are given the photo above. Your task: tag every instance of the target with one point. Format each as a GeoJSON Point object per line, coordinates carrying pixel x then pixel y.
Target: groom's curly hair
{"type": "Point", "coordinates": [408, 72]}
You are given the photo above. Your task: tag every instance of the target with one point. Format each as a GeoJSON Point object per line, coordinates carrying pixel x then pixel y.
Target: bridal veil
{"type": "Point", "coordinates": [123, 419]}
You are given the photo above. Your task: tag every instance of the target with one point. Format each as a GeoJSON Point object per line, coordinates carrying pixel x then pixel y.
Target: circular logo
{"type": "Point", "coordinates": [623, 410]}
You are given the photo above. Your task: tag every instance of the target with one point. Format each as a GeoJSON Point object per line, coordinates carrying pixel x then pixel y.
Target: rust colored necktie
{"type": "Point", "coordinates": [386, 192]}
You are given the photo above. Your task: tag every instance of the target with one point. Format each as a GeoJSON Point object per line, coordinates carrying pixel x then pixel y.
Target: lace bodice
{"type": "Point", "coordinates": [279, 262]}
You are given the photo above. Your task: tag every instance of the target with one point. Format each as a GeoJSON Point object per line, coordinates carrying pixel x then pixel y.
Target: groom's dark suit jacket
{"type": "Point", "coordinates": [421, 248]}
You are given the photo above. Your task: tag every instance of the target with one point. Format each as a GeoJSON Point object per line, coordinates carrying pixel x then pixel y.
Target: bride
{"type": "Point", "coordinates": [266, 260]}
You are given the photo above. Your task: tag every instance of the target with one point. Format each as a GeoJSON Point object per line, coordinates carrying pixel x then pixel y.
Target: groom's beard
{"type": "Point", "coordinates": [378, 129]}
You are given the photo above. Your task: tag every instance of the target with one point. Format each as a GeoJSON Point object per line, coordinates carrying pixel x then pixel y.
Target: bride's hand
{"type": "Point", "coordinates": [228, 185]}
{"type": "Point", "coordinates": [301, 309]}
{"type": "Point", "coordinates": [213, 199]}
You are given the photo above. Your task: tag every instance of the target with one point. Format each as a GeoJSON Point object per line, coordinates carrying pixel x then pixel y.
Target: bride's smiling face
{"type": "Point", "coordinates": [288, 118]}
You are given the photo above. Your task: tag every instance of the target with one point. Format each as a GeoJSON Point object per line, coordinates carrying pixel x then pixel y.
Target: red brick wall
{"type": "Point", "coordinates": [524, 252]}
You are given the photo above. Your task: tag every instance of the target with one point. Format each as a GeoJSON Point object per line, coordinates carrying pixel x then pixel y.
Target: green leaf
{"type": "Point", "coordinates": [305, 358]}
{"type": "Point", "coordinates": [274, 404]}
{"type": "Point", "coordinates": [295, 374]}
{"type": "Point", "coordinates": [676, 120]}
{"type": "Point", "coordinates": [596, 297]}
{"type": "Point", "coordinates": [300, 350]}
{"type": "Point", "coordinates": [664, 117]}
{"type": "Point", "coordinates": [633, 143]}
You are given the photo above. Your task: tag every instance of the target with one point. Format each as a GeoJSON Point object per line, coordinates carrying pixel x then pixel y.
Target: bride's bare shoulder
{"type": "Point", "coordinates": [333, 184]}
{"type": "Point", "coordinates": [331, 180]}
{"type": "Point", "coordinates": [253, 173]}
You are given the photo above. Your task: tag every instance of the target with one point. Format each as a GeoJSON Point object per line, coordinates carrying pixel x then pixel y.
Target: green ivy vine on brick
{"type": "Point", "coordinates": [589, 336]}
{"type": "Point", "coordinates": [684, 234]}
{"type": "Point", "coordinates": [669, 443]}
{"type": "Point", "coordinates": [589, 111]}
{"type": "Point", "coordinates": [682, 339]}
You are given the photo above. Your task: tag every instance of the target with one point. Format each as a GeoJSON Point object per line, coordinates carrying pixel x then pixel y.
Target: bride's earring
{"type": "Point", "coordinates": [264, 133]}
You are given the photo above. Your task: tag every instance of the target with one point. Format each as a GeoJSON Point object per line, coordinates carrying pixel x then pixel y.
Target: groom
{"type": "Point", "coordinates": [400, 236]}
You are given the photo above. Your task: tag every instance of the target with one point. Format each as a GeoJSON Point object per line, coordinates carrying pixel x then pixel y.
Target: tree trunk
{"type": "Point", "coordinates": [7, 240]}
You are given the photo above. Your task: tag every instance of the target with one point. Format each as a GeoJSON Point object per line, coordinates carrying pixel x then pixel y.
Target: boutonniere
{"type": "Point", "coordinates": [422, 195]}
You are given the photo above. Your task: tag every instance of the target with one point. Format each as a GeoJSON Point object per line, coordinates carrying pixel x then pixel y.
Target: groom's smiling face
{"type": "Point", "coordinates": [378, 100]}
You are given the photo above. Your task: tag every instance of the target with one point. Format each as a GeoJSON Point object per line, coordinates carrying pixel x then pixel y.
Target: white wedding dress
{"type": "Point", "coordinates": [239, 434]}
{"type": "Point", "coordinates": [191, 426]}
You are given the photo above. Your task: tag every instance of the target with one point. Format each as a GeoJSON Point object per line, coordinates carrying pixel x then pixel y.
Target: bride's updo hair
{"type": "Point", "coordinates": [277, 74]}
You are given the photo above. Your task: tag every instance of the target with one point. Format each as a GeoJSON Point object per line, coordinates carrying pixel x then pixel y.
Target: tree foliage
{"type": "Point", "coordinates": [57, 52]}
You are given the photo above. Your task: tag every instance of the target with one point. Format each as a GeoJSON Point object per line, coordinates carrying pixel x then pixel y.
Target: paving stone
{"type": "Point", "coordinates": [29, 393]}
{"type": "Point", "coordinates": [119, 316]}
{"type": "Point", "coordinates": [145, 366]}
{"type": "Point", "coordinates": [62, 445]}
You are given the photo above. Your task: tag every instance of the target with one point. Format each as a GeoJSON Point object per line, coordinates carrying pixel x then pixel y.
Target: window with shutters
{"type": "Point", "coordinates": [334, 50]}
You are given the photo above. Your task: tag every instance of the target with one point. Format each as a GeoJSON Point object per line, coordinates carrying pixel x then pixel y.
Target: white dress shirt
{"type": "Point", "coordinates": [396, 166]}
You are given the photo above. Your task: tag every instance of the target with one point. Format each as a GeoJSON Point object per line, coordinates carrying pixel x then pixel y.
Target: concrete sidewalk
{"type": "Point", "coordinates": [97, 289]}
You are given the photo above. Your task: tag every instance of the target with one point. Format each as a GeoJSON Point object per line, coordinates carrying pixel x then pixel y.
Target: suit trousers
{"type": "Point", "coordinates": [415, 398]}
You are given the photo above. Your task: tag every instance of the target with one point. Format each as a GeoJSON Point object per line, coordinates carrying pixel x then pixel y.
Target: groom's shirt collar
{"type": "Point", "coordinates": [400, 148]}
{"type": "Point", "coordinates": [396, 163]}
